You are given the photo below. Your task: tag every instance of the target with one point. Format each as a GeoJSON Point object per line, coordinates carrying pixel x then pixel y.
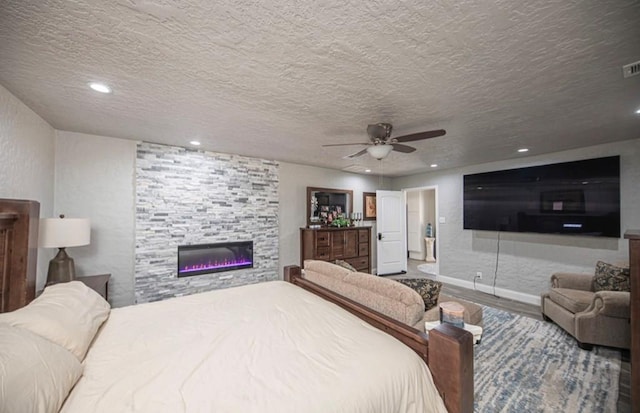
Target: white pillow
{"type": "Point", "coordinates": [69, 314]}
{"type": "Point", "coordinates": [36, 375]}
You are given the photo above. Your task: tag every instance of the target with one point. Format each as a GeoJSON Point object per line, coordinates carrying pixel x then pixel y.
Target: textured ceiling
{"type": "Point", "coordinates": [277, 79]}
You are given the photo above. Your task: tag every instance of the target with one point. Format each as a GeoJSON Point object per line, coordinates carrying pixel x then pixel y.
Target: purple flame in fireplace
{"type": "Point", "coordinates": [208, 258]}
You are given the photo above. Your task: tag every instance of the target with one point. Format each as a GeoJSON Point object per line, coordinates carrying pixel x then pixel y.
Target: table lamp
{"type": "Point", "coordinates": [62, 233]}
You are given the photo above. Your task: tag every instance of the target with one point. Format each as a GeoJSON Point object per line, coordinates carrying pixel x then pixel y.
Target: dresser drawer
{"type": "Point", "coordinates": [363, 250]}
{"type": "Point", "coordinates": [363, 235]}
{"type": "Point", "coordinates": [323, 239]}
{"type": "Point", "coordinates": [360, 263]}
{"type": "Point", "coordinates": [323, 253]}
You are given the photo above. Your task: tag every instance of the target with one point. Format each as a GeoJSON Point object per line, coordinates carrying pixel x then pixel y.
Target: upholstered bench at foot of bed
{"type": "Point", "coordinates": [472, 311]}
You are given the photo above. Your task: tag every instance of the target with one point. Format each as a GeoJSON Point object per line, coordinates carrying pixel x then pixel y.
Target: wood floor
{"type": "Point", "coordinates": [527, 310]}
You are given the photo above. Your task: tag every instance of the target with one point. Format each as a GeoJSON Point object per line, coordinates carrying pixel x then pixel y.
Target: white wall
{"type": "Point", "coordinates": [294, 180]}
{"type": "Point", "coordinates": [26, 162]}
{"type": "Point", "coordinates": [526, 261]}
{"type": "Point", "coordinates": [95, 179]}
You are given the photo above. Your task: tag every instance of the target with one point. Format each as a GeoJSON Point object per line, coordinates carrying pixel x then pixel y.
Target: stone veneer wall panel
{"type": "Point", "coordinates": [187, 197]}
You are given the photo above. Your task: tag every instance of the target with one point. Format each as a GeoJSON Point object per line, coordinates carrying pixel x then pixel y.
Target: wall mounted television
{"type": "Point", "coordinates": [572, 198]}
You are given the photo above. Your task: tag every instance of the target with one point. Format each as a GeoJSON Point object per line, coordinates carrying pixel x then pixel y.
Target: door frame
{"type": "Point", "coordinates": [436, 224]}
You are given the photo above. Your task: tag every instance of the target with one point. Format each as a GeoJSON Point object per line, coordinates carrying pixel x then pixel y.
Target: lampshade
{"type": "Point", "coordinates": [379, 151]}
{"type": "Point", "coordinates": [64, 232]}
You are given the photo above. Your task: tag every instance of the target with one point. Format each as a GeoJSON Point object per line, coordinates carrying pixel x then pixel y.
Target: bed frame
{"type": "Point", "coordinates": [18, 252]}
{"type": "Point", "coordinates": [448, 351]}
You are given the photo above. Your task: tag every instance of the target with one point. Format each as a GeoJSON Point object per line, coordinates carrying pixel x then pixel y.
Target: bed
{"type": "Point", "coordinates": [280, 346]}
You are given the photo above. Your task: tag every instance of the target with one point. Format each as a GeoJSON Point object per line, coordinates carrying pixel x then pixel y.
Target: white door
{"type": "Point", "coordinates": [392, 236]}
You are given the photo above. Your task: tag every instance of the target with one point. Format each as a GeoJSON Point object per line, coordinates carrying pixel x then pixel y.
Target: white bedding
{"type": "Point", "coordinates": [268, 347]}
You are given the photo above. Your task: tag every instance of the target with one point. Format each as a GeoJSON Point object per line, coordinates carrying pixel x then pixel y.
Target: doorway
{"type": "Point", "coordinates": [422, 228]}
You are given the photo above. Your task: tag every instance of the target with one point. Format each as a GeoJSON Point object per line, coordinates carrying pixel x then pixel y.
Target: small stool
{"type": "Point", "coordinates": [472, 311]}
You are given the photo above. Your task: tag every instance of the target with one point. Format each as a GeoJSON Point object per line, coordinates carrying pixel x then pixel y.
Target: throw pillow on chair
{"type": "Point", "coordinates": [609, 277]}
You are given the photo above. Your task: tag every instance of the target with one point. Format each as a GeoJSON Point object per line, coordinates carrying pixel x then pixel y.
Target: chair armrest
{"type": "Point", "coordinates": [573, 281]}
{"type": "Point", "coordinates": [612, 303]}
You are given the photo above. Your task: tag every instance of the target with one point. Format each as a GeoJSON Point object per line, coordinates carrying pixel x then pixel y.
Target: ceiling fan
{"type": "Point", "coordinates": [382, 143]}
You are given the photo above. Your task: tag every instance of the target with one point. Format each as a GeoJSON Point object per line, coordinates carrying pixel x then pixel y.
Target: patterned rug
{"type": "Point", "coordinates": [526, 365]}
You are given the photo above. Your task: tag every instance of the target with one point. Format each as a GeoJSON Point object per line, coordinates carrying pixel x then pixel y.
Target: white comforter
{"type": "Point", "coordinates": [269, 347]}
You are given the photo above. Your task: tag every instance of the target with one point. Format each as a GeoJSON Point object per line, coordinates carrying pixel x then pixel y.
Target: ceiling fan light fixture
{"type": "Point", "coordinates": [379, 151]}
{"type": "Point", "coordinates": [381, 143]}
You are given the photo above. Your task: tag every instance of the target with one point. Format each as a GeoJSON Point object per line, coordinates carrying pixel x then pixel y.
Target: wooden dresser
{"type": "Point", "coordinates": [352, 244]}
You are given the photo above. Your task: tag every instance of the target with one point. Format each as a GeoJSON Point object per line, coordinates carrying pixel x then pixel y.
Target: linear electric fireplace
{"type": "Point", "coordinates": [208, 258]}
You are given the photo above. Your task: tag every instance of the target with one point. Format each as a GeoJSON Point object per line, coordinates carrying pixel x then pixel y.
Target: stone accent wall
{"type": "Point", "coordinates": [186, 197]}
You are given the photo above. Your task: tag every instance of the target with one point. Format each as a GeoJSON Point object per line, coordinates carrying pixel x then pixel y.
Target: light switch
{"type": "Point", "coordinates": [442, 220]}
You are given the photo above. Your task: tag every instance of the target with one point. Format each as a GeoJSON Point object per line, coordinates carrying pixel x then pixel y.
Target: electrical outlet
{"type": "Point", "coordinates": [478, 275]}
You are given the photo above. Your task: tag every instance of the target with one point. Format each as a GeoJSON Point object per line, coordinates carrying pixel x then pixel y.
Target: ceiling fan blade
{"type": "Point", "coordinates": [355, 155]}
{"type": "Point", "coordinates": [420, 135]}
{"type": "Point", "coordinates": [344, 144]}
{"type": "Point", "coordinates": [402, 148]}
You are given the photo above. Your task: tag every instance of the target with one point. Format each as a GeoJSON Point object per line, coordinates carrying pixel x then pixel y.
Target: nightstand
{"type": "Point", "coordinates": [99, 283]}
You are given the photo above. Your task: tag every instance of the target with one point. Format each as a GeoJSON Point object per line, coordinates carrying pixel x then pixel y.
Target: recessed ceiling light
{"type": "Point", "coordinates": [521, 150]}
{"type": "Point", "coordinates": [195, 143]}
{"type": "Point", "coordinates": [100, 87]}
{"type": "Point", "coordinates": [367, 170]}
{"type": "Point", "coordinates": [638, 112]}
{"type": "Point", "coordinates": [434, 165]}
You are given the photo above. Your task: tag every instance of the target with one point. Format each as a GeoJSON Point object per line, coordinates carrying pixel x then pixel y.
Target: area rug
{"type": "Point", "coordinates": [526, 365]}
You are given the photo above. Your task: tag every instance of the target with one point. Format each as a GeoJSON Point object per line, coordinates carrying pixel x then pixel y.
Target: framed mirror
{"type": "Point", "coordinates": [322, 202]}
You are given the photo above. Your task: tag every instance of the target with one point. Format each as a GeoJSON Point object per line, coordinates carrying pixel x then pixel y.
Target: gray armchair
{"type": "Point", "coordinates": [601, 318]}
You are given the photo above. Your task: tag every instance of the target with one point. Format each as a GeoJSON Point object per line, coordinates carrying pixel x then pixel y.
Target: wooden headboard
{"type": "Point", "coordinates": [18, 252]}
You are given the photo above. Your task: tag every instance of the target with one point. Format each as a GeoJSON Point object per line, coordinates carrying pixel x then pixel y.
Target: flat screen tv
{"type": "Point", "coordinates": [573, 198]}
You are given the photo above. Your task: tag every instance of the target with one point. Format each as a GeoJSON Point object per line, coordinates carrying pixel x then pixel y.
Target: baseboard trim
{"type": "Point", "coordinates": [415, 255]}
{"type": "Point", "coordinates": [500, 292]}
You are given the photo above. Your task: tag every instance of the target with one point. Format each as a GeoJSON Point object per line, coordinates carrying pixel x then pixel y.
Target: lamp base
{"type": "Point", "coordinates": [61, 268]}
